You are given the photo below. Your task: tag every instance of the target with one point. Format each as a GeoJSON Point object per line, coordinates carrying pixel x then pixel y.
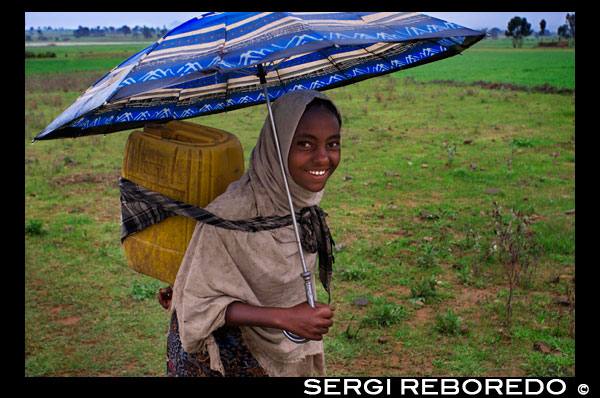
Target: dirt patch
{"type": "Point", "coordinates": [77, 81]}
{"type": "Point", "coordinates": [58, 309]}
{"type": "Point", "coordinates": [106, 178]}
{"type": "Point", "coordinates": [409, 364]}
{"type": "Point", "coordinates": [421, 316]}
{"type": "Point", "coordinates": [544, 88]}
{"type": "Point", "coordinates": [105, 208]}
{"type": "Point", "coordinates": [69, 320]}
{"type": "Point", "coordinates": [470, 297]}
{"type": "Point", "coordinates": [411, 203]}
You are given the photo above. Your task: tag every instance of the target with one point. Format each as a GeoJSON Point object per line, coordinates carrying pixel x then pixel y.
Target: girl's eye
{"type": "Point", "coordinates": [304, 144]}
{"type": "Point", "coordinates": [334, 144]}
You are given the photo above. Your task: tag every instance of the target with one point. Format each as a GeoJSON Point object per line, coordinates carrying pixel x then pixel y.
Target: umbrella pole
{"type": "Point", "coordinates": [306, 274]}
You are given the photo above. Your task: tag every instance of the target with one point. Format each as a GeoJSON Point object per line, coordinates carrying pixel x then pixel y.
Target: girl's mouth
{"type": "Point", "coordinates": [317, 173]}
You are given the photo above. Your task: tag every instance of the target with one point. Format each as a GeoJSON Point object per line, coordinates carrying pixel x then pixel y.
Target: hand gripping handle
{"type": "Point", "coordinates": [311, 301]}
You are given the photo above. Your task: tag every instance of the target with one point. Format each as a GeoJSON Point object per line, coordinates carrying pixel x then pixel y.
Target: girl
{"type": "Point", "coordinates": [235, 291]}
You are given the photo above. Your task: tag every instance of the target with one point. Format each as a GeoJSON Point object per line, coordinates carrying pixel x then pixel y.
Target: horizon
{"type": "Point", "coordinates": [72, 20]}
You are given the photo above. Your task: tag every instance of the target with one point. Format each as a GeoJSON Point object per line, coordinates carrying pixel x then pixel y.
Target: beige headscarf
{"type": "Point", "coordinates": [258, 268]}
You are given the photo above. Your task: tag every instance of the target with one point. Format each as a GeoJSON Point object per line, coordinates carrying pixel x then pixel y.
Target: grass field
{"type": "Point", "coordinates": [420, 279]}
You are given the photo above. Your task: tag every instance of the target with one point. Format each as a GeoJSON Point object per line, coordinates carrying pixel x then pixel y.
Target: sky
{"type": "Point", "coordinates": [72, 20]}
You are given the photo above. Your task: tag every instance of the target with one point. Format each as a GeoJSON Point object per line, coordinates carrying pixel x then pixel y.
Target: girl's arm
{"type": "Point", "coordinates": [301, 319]}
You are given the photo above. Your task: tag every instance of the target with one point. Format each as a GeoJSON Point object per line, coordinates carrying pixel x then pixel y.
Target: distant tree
{"type": "Point", "coordinates": [571, 22]}
{"type": "Point", "coordinates": [124, 29]}
{"type": "Point", "coordinates": [136, 31]}
{"type": "Point", "coordinates": [542, 28]}
{"type": "Point", "coordinates": [494, 33]}
{"type": "Point", "coordinates": [147, 32]}
{"type": "Point", "coordinates": [96, 32]}
{"type": "Point", "coordinates": [518, 28]}
{"type": "Point", "coordinates": [563, 31]}
{"type": "Point", "coordinates": [81, 31]}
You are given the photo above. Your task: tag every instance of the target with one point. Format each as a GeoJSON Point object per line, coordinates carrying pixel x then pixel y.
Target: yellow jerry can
{"type": "Point", "coordinates": [184, 161]}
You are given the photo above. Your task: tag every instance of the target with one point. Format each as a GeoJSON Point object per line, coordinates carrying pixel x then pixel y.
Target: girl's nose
{"type": "Point", "coordinates": [320, 156]}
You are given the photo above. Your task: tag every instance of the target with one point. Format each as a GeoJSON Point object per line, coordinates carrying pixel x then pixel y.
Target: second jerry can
{"type": "Point", "coordinates": [184, 161]}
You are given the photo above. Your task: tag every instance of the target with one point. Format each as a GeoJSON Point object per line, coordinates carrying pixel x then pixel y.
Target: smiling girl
{"type": "Point", "coordinates": [235, 290]}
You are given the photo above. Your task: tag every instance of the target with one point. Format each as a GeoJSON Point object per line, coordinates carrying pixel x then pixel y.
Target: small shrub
{"type": "Point", "coordinates": [34, 227]}
{"type": "Point", "coordinates": [142, 290]}
{"type": "Point", "coordinates": [409, 97]}
{"type": "Point", "coordinates": [47, 54]}
{"type": "Point", "coordinates": [425, 290]}
{"type": "Point", "coordinates": [391, 83]}
{"type": "Point", "coordinates": [517, 251]}
{"type": "Point", "coordinates": [450, 153]}
{"type": "Point", "coordinates": [459, 172]}
{"type": "Point", "coordinates": [464, 275]}
{"type": "Point", "coordinates": [427, 258]}
{"type": "Point", "coordinates": [521, 142]}
{"type": "Point", "coordinates": [385, 314]}
{"type": "Point", "coordinates": [353, 273]}
{"type": "Point", "coordinates": [448, 323]}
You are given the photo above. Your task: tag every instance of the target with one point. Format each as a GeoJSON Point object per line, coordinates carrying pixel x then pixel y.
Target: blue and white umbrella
{"type": "Point", "coordinates": [225, 61]}
{"type": "Point", "coordinates": [211, 64]}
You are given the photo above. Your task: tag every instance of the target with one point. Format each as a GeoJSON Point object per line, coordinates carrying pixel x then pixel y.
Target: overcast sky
{"type": "Point", "coordinates": [72, 20]}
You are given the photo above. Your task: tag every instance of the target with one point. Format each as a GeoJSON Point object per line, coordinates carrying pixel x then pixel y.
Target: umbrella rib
{"type": "Point", "coordinates": [280, 81]}
{"type": "Point", "coordinates": [226, 88]}
{"type": "Point", "coordinates": [377, 55]}
{"type": "Point", "coordinates": [334, 64]}
{"type": "Point", "coordinates": [227, 74]}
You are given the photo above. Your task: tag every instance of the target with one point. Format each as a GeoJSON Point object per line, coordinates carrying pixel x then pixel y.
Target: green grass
{"type": "Point", "coordinates": [524, 66]}
{"type": "Point", "coordinates": [80, 58]}
{"type": "Point", "coordinates": [88, 314]}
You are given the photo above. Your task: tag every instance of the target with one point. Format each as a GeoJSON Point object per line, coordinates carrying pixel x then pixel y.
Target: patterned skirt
{"type": "Point", "coordinates": [235, 355]}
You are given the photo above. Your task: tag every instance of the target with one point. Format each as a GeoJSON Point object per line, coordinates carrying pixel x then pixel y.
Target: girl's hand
{"type": "Point", "coordinates": [310, 323]}
{"type": "Point", "coordinates": [164, 296]}
{"type": "Point", "coordinates": [301, 320]}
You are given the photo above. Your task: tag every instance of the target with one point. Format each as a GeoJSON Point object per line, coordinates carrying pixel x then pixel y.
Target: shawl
{"type": "Point", "coordinates": [141, 207]}
{"type": "Point", "coordinates": [259, 268]}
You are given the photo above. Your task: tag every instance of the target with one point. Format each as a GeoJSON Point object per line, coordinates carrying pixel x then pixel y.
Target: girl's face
{"type": "Point", "coordinates": [315, 149]}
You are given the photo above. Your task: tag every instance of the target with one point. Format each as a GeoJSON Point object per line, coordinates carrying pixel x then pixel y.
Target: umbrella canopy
{"type": "Point", "coordinates": [213, 63]}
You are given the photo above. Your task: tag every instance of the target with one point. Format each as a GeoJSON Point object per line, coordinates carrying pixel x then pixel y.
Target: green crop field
{"type": "Point", "coordinates": [437, 182]}
{"type": "Point", "coordinates": [527, 67]}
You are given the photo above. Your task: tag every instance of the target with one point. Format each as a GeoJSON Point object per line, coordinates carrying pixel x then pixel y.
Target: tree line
{"type": "Point", "coordinates": [518, 28]}
{"type": "Point", "coordinates": [147, 32]}
{"type": "Point", "coordinates": [48, 33]}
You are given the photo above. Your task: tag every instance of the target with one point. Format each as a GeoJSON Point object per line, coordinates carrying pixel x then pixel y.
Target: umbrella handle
{"type": "Point", "coordinates": [296, 339]}
{"type": "Point", "coordinates": [306, 273]}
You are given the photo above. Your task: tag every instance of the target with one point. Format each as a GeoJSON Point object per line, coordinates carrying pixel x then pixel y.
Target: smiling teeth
{"type": "Point", "coordinates": [317, 173]}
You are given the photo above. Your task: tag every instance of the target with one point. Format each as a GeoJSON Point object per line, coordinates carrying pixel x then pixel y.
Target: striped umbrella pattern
{"type": "Point", "coordinates": [210, 64]}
